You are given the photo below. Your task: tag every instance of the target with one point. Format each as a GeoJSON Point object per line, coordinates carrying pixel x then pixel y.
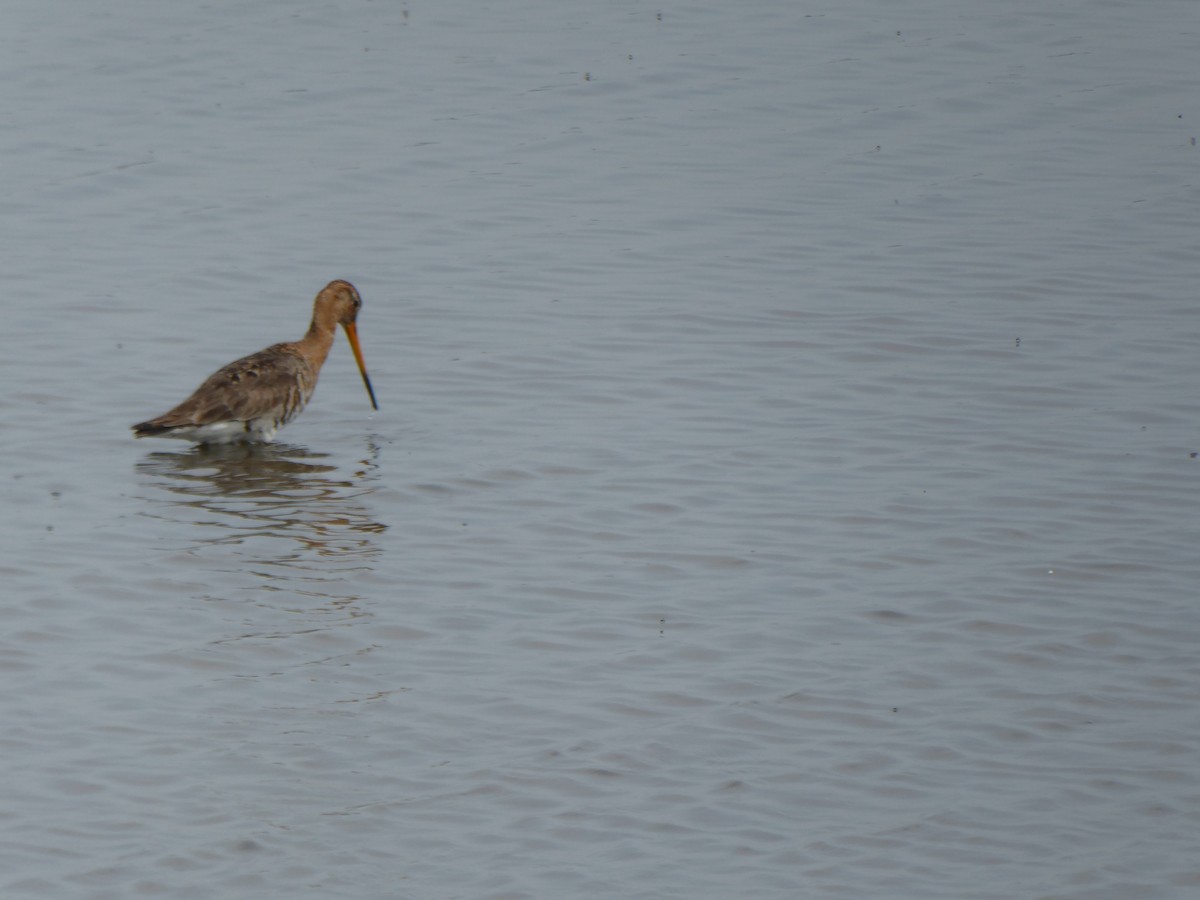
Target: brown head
{"type": "Point", "coordinates": [338, 304]}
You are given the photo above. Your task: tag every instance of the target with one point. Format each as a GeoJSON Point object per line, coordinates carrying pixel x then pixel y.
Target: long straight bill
{"type": "Point", "coordinates": [352, 334]}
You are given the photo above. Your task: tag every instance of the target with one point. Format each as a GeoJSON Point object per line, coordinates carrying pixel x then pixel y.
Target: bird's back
{"type": "Point", "coordinates": [255, 395]}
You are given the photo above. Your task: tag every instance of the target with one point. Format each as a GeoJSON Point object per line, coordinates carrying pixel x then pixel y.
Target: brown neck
{"type": "Point", "coordinates": [316, 343]}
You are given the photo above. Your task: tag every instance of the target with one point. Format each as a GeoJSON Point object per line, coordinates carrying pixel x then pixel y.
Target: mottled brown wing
{"type": "Point", "coordinates": [275, 381]}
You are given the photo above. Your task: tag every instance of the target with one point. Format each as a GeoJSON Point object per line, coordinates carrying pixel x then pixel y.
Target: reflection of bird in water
{"type": "Point", "coordinates": [287, 503]}
{"type": "Point", "coordinates": [252, 398]}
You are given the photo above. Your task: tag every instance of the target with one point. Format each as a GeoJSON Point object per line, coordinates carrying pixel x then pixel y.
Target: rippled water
{"type": "Point", "coordinates": [784, 483]}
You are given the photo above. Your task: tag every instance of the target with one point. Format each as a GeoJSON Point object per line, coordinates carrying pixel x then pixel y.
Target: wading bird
{"type": "Point", "coordinates": [252, 398]}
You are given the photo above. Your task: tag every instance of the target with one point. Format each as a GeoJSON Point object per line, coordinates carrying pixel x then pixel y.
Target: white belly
{"type": "Point", "coordinates": [256, 431]}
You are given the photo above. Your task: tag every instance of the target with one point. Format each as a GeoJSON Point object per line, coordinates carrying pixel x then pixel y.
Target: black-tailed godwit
{"type": "Point", "coordinates": [252, 398]}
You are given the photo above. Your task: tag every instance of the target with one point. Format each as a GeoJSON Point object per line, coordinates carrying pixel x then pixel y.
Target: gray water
{"type": "Point", "coordinates": [783, 484]}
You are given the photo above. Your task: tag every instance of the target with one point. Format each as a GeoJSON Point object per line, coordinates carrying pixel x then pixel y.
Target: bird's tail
{"type": "Point", "coordinates": [149, 429]}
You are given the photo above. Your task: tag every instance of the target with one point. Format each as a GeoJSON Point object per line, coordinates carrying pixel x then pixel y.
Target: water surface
{"type": "Point", "coordinates": [783, 484]}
